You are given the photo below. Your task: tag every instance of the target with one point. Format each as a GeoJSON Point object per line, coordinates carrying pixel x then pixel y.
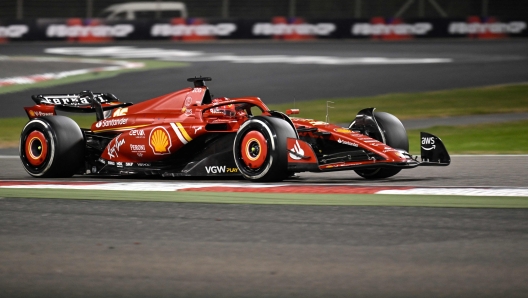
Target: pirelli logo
{"type": "Point", "coordinates": [181, 133]}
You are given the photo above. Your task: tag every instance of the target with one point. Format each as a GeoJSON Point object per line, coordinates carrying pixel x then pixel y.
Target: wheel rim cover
{"type": "Point", "coordinates": [254, 149]}
{"type": "Point", "coordinates": [36, 148]}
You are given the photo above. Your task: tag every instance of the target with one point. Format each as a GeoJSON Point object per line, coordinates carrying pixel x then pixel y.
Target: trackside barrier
{"type": "Point", "coordinates": [277, 28]}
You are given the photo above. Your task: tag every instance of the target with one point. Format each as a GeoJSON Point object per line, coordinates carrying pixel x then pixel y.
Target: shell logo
{"type": "Point", "coordinates": [160, 141]}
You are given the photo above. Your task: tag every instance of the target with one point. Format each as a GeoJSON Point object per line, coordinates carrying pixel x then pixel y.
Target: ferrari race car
{"type": "Point", "coordinates": [189, 133]}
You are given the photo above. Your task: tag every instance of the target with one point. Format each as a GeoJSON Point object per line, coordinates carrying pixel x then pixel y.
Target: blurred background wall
{"type": "Point", "coordinates": [251, 9]}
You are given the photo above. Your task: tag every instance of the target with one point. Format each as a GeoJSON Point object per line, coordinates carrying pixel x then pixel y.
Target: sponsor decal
{"type": "Point", "coordinates": [177, 30]}
{"type": "Point", "coordinates": [129, 164]}
{"type": "Point", "coordinates": [111, 163]}
{"type": "Point", "coordinates": [68, 100]}
{"type": "Point", "coordinates": [373, 142]}
{"type": "Point", "coordinates": [318, 123]}
{"type": "Point", "coordinates": [62, 31]}
{"type": "Point", "coordinates": [114, 149]}
{"type": "Point", "coordinates": [301, 119]}
{"type": "Point", "coordinates": [367, 29]}
{"type": "Point", "coordinates": [137, 148]}
{"type": "Point", "coordinates": [140, 154]}
{"type": "Point", "coordinates": [39, 113]}
{"type": "Point", "coordinates": [13, 31]}
{"type": "Point", "coordinates": [340, 141]}
{"type": "Point", "coordinates": [111, 122]}
{"type": "Point", "coordinates": [197, 128]}
{"type": "Point", "coordinates": [188, 101]}
{"type": "Point", "coordinates": [220, 170]}
{"type": "Point", "coordinates": [216, 111]}
{"type": "Point", "coordinates": [101, 160]}
{"type": "Point", "coordinates": [119, 164]}
{"type": "Point", "coordinates": [138, 133]}
{"type": "Point", "coordinates": [342, 130]}
{"type": "Point", "coordinates": [143, 164]}
{"type": "Point", "coordinates": [160, 141]}
{"type": "Point", "coordinates": [430, 142]}
{"type": "Point", "coordinates": [188, 112]}
{"type": "Point", "coordinates": [481, 28]}
{"type": "Point", "coordinates": [120, 112]}
{"type": "Point", "coordinates": [267, 29]}
{"type": "Point", "coordinates": [297, 149]}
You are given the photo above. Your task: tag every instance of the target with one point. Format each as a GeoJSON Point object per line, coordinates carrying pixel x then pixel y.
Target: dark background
{"type": "Point", "coordinates": [10, 9]}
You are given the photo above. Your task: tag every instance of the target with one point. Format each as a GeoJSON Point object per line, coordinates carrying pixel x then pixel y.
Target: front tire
{"type": "Point", "coordinates": [260, 149]}
{"type": "Point", "coordinates": [52, 147]}
{"type": "Point", "coordinates": [394, 135]}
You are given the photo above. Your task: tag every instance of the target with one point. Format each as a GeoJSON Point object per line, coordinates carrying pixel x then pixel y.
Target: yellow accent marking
{"type": "Point", "coordinates": [30, 151]}
{"type": "Point", "coordinates": [247, 149]}
{"type": "Point", "coordinates": [184, 132]}
{"type": "Point", "coordinates": [178, 134]}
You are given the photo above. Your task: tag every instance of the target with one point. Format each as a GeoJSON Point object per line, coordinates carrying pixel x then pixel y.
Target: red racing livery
{"type": "Point", "coordinates": [188, 133]}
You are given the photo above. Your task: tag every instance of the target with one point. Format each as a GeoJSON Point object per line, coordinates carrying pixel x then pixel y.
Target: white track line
{"type": "Point", "coordinates": [36, 78]}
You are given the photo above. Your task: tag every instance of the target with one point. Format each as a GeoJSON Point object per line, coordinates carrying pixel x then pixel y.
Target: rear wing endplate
{"type": "Point", "coordinates": [83, 102]}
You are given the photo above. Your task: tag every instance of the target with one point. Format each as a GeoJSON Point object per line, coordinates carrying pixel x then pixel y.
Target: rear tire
{"type": "Point", "coordinates": [52, 147]}
{"type": "Point", "coordinates": [260, 149]}
{"type": "Point", "coordinates": [395, 136]}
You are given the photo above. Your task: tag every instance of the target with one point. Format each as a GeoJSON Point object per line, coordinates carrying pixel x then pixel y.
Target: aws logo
{"type": "Point", "coordinates": [429, 142]}
{"type": "Point", "coordinates": [160, 141]}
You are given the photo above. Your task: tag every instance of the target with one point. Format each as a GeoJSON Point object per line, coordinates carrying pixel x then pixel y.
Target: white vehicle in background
{"type": "Point", "coordinates": [144, 10]}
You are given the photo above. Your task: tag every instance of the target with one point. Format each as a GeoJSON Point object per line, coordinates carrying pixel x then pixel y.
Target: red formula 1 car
{"type": "Point", "coordinates": [189, 133]}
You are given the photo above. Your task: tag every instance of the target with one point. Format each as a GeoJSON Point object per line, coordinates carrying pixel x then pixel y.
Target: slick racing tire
{"type": "Point", "coordinates": [52, 147]}
{"type": "Point", "coordinates": [395, 136]}
{"type": "Point", "coordinates": [260, 149]}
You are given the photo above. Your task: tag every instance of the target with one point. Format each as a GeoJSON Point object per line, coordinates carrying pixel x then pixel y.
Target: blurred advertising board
{"type": "Point", "coordinates": [278, 28]}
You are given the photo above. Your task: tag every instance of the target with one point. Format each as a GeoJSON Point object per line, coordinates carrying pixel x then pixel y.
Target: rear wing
{"type": "Point", "coordinates": [83, 102]}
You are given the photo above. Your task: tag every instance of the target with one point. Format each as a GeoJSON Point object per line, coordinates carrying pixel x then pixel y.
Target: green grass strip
{"type": "Point", "coordinates": [12, 127]}
{"type": "Point", "coordinates": [501, 138]}
{"type": "Point", "coordinates": [457, 102]}
{"type": "Point", "coordinates": [149, 65]}
{"type": "Point", "coordinates": [272, 198]}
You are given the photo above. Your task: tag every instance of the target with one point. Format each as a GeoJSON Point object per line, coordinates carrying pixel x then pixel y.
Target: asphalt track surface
{"type": "Point", "coordinates": [473, 63]}
{"type": "Point", "coordinates": [76, 248]}
{"type": "Point", "coordinates": [464, 171]}
{"type": "Point", "coordinates": [69, 248]}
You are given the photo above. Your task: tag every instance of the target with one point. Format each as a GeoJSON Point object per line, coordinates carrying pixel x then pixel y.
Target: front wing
{"type": "Point", "coordinates": [301, 157]}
